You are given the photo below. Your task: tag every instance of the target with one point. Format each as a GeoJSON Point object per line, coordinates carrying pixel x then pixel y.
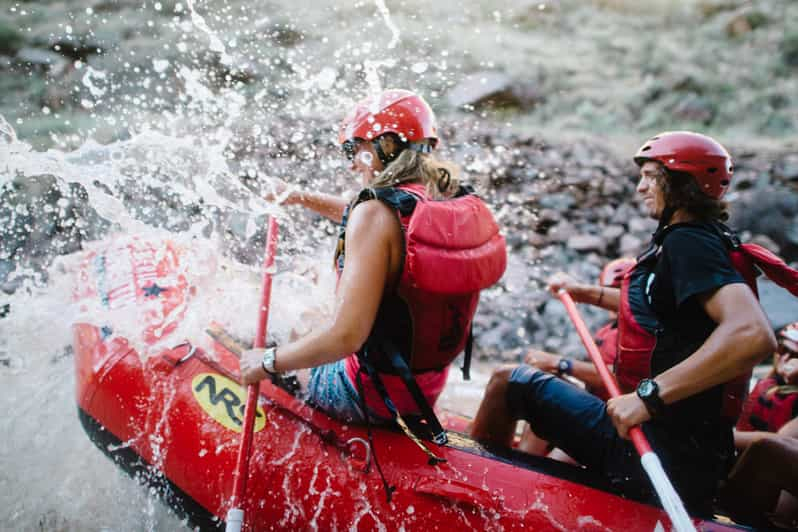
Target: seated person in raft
{"type": "Point", "coordinates": [401, 300]}
{"type": "Point", "coordinates": [581, 371]}
{"type": "Point", "coordinates": [762, 489]}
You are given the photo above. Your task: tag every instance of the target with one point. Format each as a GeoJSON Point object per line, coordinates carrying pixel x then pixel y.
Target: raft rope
{"type": "Point", "coordinates": [388, 488]}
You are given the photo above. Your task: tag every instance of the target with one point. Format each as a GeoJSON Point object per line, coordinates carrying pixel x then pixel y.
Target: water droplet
{"type": "Point", "coordinates": [366, 158]}
{"type": "Point", "coordinates": [419, 68]}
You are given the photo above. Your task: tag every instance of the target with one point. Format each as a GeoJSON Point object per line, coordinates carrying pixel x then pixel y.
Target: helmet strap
{"type": "Point", "coordinates": [387, 158]}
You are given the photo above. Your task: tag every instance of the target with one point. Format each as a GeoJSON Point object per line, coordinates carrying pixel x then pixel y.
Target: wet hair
{"type": "Point", "coordinates": [441, 178]}
{"type": "Point", "coordinates": [681, 191]}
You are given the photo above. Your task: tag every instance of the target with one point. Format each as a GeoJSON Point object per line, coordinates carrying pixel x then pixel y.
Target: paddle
{"type": "Point", "coordinates": [235, 515]}
{"type": "Point", "coordinates": [650, 461]}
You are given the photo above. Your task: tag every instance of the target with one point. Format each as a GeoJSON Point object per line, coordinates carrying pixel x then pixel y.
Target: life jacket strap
{"type": "Point", "coordinates": [469, 347]}
{"type": "Point", "coordinates": [374, 375]}
{"type": "Point", "coordinates": [388, 488]}
{"type": "Point", "coordinates": [437, 432]}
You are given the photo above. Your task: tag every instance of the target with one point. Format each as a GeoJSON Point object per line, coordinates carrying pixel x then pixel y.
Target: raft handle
{"type": "Point", "coordinates": [191, 351]}
{"type": "Point", "coordinates": [367, 461]}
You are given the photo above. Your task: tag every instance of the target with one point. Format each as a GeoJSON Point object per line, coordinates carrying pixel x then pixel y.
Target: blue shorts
{"type": "Point", "coordinates": [330, 390]}
{"type": "Point", "coordinates": [577, 422]}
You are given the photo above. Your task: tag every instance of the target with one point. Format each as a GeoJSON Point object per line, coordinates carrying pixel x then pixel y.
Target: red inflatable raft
{"type": "Point", "coordinates": [174, 421]}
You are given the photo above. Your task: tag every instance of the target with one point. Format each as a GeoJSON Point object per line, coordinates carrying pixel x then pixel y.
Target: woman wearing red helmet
{"type": "Point", "coordinates": [410, 266]}
{"type": "Point", "coordinates": [690, 331]}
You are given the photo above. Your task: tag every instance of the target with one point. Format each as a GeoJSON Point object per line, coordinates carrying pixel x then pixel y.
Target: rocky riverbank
{"type": "Point", "coordinates": [541, 103]}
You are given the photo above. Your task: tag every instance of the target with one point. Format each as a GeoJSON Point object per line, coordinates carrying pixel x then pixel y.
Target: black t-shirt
{"type": "Point", "coordinates": [663, 292]}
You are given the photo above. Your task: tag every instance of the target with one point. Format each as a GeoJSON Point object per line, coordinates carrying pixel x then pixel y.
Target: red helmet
{"type": "Point", "coordinates": [698, 155]}
{"type": "Point", "coordinates": [392, 111]}
{"type": "Point", "coordinates": [612, 273]}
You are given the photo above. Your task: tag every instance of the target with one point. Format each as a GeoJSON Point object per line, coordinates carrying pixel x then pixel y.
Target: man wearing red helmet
{"type": "Point", "coordinates": [690, 331]}
{"type": "Point", "coordinates": [410, 266]}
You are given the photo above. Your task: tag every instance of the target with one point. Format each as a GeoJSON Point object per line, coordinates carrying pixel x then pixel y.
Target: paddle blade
{"type": "Point", "coordinates": [667, 495]}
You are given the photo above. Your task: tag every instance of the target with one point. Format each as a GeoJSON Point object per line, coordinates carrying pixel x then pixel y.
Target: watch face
{"type": "Point", "coordinates": [646, 388]}
{"type": "Point", "coordinates": [563, 365]}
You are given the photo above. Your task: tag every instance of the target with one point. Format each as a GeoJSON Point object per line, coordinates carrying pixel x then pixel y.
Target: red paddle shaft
{"type": "Point", "coordinates": [242, 463]}
{"type": "Point", "coordinates": [651, 464]}
{"type": "Point", "coordinates": [635, 433]}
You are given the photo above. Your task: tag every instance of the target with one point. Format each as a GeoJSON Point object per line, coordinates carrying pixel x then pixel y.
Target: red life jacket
{"type": "Point", "coordinates": [453, 250]}
{"type": "Point", "coordinates": [636, 345]}
{"type": "Point", "coordinates": [769, 407]}
{"type": "Point", "coordinates": [606, 340]}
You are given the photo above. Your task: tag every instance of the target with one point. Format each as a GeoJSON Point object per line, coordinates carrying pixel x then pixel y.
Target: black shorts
{"type": "Point", "coordinates": [577, 422]}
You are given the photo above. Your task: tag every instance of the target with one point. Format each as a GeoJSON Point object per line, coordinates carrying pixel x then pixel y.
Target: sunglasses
{"type": "Point", "coordinates": [349, 148]}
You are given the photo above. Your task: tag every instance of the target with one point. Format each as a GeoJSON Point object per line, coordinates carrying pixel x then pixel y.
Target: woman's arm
{"type": "Point", "coordinates": [373, 240]}
{"type": "Point", "coordinates": [328, 205]}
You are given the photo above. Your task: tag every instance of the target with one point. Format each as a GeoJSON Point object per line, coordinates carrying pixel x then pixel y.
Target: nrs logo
{"type": "Point", "coordinates": [224, 400]}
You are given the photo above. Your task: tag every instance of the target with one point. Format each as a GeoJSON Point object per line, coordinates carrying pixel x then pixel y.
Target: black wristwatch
{"type": "Point", "coordinates": [565, 366]}
{"type": "Point", "coordinates": [648, 392]}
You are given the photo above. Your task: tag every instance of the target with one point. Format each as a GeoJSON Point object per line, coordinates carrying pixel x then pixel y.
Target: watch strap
{"type": "Point", "coordinates": [654, 403]}
{"type": "Point", "coordinates": [267, 362]}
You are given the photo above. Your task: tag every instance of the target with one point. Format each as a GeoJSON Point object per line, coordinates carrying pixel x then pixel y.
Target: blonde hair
{"type": "Point", "coordinates": [441, 178]}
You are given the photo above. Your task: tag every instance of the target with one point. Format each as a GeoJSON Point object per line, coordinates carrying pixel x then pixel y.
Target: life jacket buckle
{"type": "Point", "coordinates": [440, 438]}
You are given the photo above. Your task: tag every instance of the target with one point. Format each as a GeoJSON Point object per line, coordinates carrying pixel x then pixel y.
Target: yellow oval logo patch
{"type": "Point", "coordinates": [224, 400]}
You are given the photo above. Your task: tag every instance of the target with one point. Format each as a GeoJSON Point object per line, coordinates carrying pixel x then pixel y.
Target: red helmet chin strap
{"type": "Point", "coordinates": [387, 158]}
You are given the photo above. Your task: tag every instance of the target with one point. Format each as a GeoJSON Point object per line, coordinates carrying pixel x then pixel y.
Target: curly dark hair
{"type": "Point", "coordinates": [682, 192]}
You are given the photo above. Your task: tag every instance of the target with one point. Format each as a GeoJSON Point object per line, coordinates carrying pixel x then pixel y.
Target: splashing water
{"type": "Point", "coordinates": [386, 15]}
{"type": "Point", "coordinates": [215, 44]}
{"type": "Point", "coordinates": [181, 174]}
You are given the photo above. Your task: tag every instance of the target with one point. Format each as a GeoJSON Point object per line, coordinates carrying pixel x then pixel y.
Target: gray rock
{"type": "Point", "coordinates": [587, 243]}
{"type": "Point", "coordinates": [630, 245]}
{"type": "Point", "coordinates": [786, 168]}
{"type": "Point", "coordinates": [623, 214]}
{"type": "Point", "coordinates": [45, 59]}
{"type": "Point", "coordinates": [780, 306]}
{"type": "Point", "coordinates": [612, 186]}
{"type": "Point", "coordinates": [561, 201]}
{"type": "Point", "coordinates": [549, 216]}
{"type": "Point", "coordinates": [487, 88]}
{"type": "Point", "coordinates": [642, 225]}
{"type": "Point", "coordinates": [789, 48]}
{"type": "Point", "coordinates": [694, 108]}
{"type": "Point", "coordinates": [745, 20]}
{"type": "Point", "coordinates": [611, 233]}
{"type": "Point", "coordinates": [791, 232]}
{"type": "Point", "coordinates": [561, 232]}
{"type": "Point", "coordinates": [766, 242]}
{"type": "Point", "coordinates": [10, 37]}
{"type": "Point", "coordinates": [284, 34]}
